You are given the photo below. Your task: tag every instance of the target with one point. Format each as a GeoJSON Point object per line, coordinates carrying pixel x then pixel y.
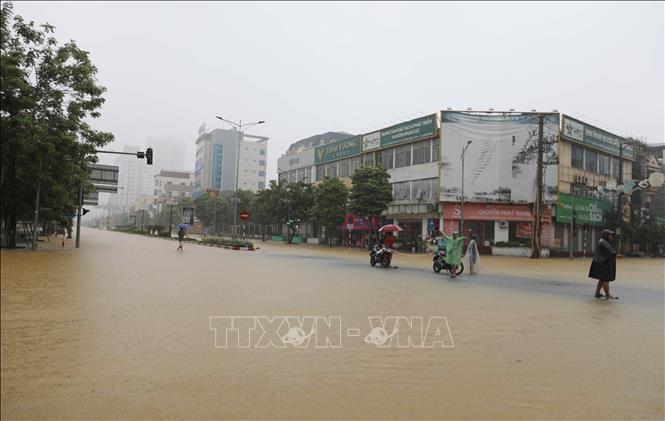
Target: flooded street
{"type": "Point", "coordinates": [121, 329]}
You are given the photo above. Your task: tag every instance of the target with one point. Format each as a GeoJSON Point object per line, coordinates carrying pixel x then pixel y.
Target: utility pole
{"type": "Point", "coordinates": [535, 235]}
{"type": "Point", "coordinates": [468, 143]}
{"type": "Point", "coordinates": [78, 217]}
{"type": "Point", "coordinates": [620, 198]}
{"type": "Point", "coordinates": [34, 228]}
{"type": "Point", "coordinates": [170, 219]}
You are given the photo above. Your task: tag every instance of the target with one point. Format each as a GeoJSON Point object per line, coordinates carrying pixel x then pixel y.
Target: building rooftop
{"type": "Point", "coordinates": [316, 140]}
{"type": "Point", "coordinates": [175, 174]}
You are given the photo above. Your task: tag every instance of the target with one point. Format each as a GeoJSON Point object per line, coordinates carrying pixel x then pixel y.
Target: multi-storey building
{"type": "Point", "coordinates": [224, 156]}
{"type": "Point", "coordinates": [171, 186]}
{"type": "Point", "coordinates": [409, 151]}
{"type": "Point", "coordinates": [424, 159]}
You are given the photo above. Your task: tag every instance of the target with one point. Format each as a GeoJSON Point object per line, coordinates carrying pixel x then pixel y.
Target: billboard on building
{"type": "Point", "coordinates": [596, 138]}
{"type": "Point", "coordinates": [410, 131]}
{"type": "Point", "coordinates": [500, 163]}
{"type": "Point", "coordinates": [295, 161]}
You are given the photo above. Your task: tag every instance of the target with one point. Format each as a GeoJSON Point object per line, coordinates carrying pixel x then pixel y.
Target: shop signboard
{"type": "Point", "coordinates": [587, 210]}
{"type": "Point", "coordinates": [596, 138]}
{"type": "Point", "coordinates": [493, 212]}
{"type": "Point", "coordinates": [340, 149]}
{"type": "Point", "coordinates": [417, 129]}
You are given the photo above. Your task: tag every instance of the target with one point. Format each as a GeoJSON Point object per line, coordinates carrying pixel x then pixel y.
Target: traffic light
{"type": "Point", "coordinates": [148, 155]}
{"type": "Point", "coordinates": [85, 211]}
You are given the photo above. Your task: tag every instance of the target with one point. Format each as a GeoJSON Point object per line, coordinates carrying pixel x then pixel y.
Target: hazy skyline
{"type": "Point", "coordinates": [308, 68]}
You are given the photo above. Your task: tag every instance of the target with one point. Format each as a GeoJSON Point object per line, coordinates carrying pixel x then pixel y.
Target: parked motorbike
{"type": "Point", "coordinates": [381, 254]}
{"type": "Point", "coordinates": [440, 264]}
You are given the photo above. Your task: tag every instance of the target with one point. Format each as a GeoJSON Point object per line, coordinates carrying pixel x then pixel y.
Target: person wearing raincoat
{"type": "Point", "coordinates": [454, 246]}
{"type": "Point", "coordinates": [604, 264]}
{"type": "Point", "coordinates": [472, 255]}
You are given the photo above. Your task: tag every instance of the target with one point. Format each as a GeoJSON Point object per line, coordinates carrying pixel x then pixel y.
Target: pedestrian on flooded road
{"type": "Point", "coordinates": [604, 265]}
{"type": "Point", "coordinates": [472, 255]}
{"type": "Point", "coordinates": [181, 238]}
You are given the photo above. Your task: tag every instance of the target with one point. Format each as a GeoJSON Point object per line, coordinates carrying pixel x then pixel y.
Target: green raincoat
{"type": "Point", "coordinates": [454, 247]}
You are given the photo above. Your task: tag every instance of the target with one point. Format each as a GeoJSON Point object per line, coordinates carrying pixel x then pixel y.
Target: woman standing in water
{"type": "Point", "coordinates": [472, 255]}
{"type": "Point", "coordinates": [604, 265]}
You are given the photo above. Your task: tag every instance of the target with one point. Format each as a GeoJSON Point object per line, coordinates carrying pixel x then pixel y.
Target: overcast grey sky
{"type": "Point", "coordinates": [307, 68]}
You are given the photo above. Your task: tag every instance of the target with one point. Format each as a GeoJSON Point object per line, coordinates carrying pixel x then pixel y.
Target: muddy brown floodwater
{"type": "Point", "coordinates": [121, 329]}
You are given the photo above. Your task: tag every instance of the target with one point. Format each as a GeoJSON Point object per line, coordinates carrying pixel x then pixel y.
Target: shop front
{"type": "Point", "coordinates": [589, 222]}
{"type": "Point", "coordinates": [355, 232]}
{"type": "Point", "coordinates": [493, 223]}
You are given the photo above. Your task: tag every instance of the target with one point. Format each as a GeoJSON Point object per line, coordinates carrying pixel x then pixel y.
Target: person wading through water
{"type": "Point", "coordinates": [181, 238]}
{"type": "Point", "coordinates": [604, 264]}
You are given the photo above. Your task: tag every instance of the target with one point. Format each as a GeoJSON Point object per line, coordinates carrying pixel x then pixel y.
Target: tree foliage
{"type": "Point", "coordinates": [331, 197]}
{"type": "Point", "coordinates": [371, 191]}
{"type": "Point", "coordinates": [48, 94]}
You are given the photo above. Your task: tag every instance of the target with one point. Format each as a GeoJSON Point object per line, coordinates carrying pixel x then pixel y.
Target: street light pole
{"type": "Point", "coordinates": [239, 126]}
{"type": "Point", "coordinates": [170, 219]}
{"type": "Point", "coordinates": [462, 207]}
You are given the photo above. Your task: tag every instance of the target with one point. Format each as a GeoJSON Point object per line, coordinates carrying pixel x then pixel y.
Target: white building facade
{"type": "Point", "coordinates": [224, 155]}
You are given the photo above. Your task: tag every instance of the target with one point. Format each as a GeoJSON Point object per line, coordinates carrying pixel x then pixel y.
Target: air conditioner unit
{"type": "Point", "coordinates": [503, 224]}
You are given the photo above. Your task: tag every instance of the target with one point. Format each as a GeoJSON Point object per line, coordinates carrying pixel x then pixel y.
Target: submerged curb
{"type": "Point", "coordinates": [197, 242]}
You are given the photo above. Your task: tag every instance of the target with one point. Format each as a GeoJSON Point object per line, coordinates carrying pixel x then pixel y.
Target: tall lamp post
{"type": "Point", "coordinates": [239, 126]}
{"type": "Point", "coordinates": [462, 208]}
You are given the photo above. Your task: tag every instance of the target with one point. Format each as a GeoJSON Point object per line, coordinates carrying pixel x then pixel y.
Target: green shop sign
{"type": "Point", "coordinates": [340, 149]}
{"type": "Point", "coordinates": [587, 211]}
{"type": "Point", "coordinates": [420, 128]}
{"type": "Point", "coordinates": [596, 138]}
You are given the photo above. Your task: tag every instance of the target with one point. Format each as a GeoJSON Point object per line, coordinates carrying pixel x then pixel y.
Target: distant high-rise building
{"type": "Point", "coordinates": [217, 156]}
{"type": "Point", "coordinates": [168, 154]}
{"type": "Point", "coordinates": [130, 178]}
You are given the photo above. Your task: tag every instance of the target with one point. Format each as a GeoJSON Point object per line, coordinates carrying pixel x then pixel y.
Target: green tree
{"type": "Point", "coordinates": [271, 205]}
{"type": "Point", "coordinates": [330, 198]}
{"type": "Point", "coordinates": [371, 191]}
{"type": "Point", "coordinates": [300, 198]}
{"type": "Point", "coordinates": [212, 211]}
{"type": "Point", "coordinates": [48, 95]}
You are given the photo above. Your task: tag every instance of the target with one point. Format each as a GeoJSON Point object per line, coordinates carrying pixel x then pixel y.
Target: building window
{"type": "Point", "coordinates": [292, 176]}
{"type": "Point", "coordinates": [262, 163]}
{"type": "Point", "coordinates": [262, 185]}
{"type": "Point", "coordinates": [344, 168]}
{"type": "Point", "coordinates": [308, 175]}
{"type": "Point", "coordinates": [421, 190]}
{"type": "Point", "coordinates": [262, 152]}
{"type": "Point", "coordinates": [577, 157]}
{"type": "Point", "coordinates": [591, 160]}
{"type": "Point", "coordinates": [604, 164]}
{"type": "Point", "coordinates": [320, 172]}
{"type": "Point", "coordinates": [403, 156]}
{"type": "Point", "coordinates": [368, 159]}
{"type": "Point", "coordinates": [355, 164]}
{"type": "Point", "coordinates": [401, 191]}
{"type": "Point", "coordinates": [386, 158]}
{"type": "Point", "coordinates": [421, 152]}
{"type": "Point", "coordinates": [435, 149]}
{"type": "Point", "coordinates": [262, 173]}
{"type": "Point", "coordinates": [331, 170]}
{"type": "Point", "coordinates": [283, 176]}
{"type": "Point", "coordinates": [614, 162]}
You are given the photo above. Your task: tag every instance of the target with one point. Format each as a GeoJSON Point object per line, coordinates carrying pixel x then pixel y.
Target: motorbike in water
{"type": "Point", "coordinates": [381, 254]}
{"type": "Point", "coordinates": [440, 264]}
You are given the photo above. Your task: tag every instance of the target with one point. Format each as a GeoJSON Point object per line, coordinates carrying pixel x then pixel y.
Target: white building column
{"type": "Point", "coordinates": [423, 231]}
